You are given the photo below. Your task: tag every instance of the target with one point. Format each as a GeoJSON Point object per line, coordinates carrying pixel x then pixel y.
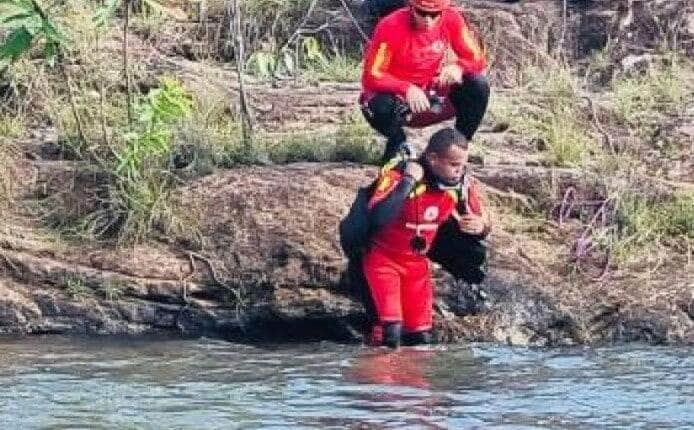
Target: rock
{"type": "Point", "coordinates": [686, 130]}
{"type": "Point", "coordinates": [594, 30]}
{"type": "Point", "coordinates": [270, 268]}
{"type": "Point", "coordinates": [636, 63]}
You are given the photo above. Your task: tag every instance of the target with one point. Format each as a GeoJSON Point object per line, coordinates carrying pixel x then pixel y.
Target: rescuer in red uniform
{"type": "Point", "coordinates": [408, 79]}
{"type": "Point", "coordinates": [406, 210]}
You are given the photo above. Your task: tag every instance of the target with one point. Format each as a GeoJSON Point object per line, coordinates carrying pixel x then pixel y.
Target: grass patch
{"type": "Point", "coordinates": [335, 68]}
{"type": "Point", "coordinates": [352, 141]}
{"type": "Point", "coordinates": [640, 98]}
{"type": "Point", "coordinates": [565, 139]}
{"type": "Point", "coordinates": [112, 289]}
{"type": "Point", "coordinates": [210, 137]}
{"type": "Point", "coordinates": [12, 126]}
{"type": "Point", "coordinates": [5, 176]}
{"type": "Point", "coordinates": [641, 223]}
{"type": "Point", "coordinates": [549, 114]}
{"type": "Point", "coordinates": [201, 145]}
{"type": "Point", "coordinates": [75, 287]}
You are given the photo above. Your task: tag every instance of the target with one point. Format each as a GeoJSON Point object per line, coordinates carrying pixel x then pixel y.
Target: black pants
{"type": "Point", "coordinates": [387, 114]}
{"type": "Point", "coordinates": [460, 254]}
{"type": "Point", "coordinates": [359, 287]}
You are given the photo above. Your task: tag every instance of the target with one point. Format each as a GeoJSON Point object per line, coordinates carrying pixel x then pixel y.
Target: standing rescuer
{"type": "Point", "coordinates": [406, 209]}
{"type": "Point", "coordinates": [408, 80]}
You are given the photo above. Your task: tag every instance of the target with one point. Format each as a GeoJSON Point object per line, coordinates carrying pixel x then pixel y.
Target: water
{"type": "Point", "coordinates": [61, 383]}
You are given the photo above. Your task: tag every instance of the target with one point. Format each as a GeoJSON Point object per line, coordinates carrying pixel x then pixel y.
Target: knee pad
{"type": "Point", "coordinates": [392, 334]}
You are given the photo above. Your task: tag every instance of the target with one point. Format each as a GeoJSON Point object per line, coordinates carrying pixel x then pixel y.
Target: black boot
{"type": "Point", "coordinates": [387, 114]}
{"type": "Point", "coordinates": [418, 338]}
{"type": "Point", "coordinates": [472, 298]}
{"type": "Point", "coordinates": [392, 334]}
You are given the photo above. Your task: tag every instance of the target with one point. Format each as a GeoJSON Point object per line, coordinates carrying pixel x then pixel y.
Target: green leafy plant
{"type": "Point", "coordinates": [27, 24]}
{"type": "Point", "coordinates": [140, 197]}
{"type": "Point", "coordinates": [262, 64]}
{"type": "Point", "coordinates": [310, 47]}
{"type": "Point", "coordinates": [157, 113]}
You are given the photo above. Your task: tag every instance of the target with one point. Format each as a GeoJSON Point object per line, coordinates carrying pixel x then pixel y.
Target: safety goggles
{"type": "Point", "coordinates": [427, 13]}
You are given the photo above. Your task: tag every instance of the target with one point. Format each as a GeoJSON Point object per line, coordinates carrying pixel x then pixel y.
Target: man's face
{"type": "Point", "coordinates": [424, 20]}
{"type": "Point", "coordinates": [449, 165]}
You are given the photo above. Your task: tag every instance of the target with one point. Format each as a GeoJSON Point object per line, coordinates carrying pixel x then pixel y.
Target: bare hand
{"type": "Point", "coordinates": [414, 169]}
{"type": "Point", "coordinates": [450, 74]}
{"type": "Point", "coordinates": [471, 224]}
{"type": "Point", "coordinates": [417, 99]}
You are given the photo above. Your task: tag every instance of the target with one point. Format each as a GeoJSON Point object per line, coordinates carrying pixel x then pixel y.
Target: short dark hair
{"type": "Point", "coordinates": [444, 139]}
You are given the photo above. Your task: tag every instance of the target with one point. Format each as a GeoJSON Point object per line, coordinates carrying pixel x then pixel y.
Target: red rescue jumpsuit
{"type": "Point", "coordinates": [398, 276]}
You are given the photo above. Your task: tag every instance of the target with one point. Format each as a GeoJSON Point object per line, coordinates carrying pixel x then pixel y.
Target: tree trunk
{"type": "Point", "coordinates": [126, 74]}
{"type": "Point", "coordinates": [235, 21]}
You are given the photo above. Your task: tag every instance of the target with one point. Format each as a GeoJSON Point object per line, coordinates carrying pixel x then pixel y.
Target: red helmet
{"type": "Point", "coordinates": [430, 5]}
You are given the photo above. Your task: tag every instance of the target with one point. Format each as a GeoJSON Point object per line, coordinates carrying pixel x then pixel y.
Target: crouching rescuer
{"type": "Point", "coordinates": [408, 205]}
{"type": "Point", "coordinates": [410, 77]}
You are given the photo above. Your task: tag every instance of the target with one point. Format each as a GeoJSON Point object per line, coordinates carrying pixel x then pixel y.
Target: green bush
{"type": "Point", "coordinates": [151, 142]}
{"type": "Point", "coordinates": [12, 126]}
{"type": "Point", "coordinates": [678, 216]}
{"type": "Point", "coordinates": [352, 141]}
{"type": "Point", "coordinates": [643, 222]}
{"type": "Point", "coordinates": [140, 194]}
{"type": "Point", "coordinates": [336, 68]}
{"type": "Point", "coordinates": [548, 112]}
{"type": "Point", "coordinates": [638, 98]}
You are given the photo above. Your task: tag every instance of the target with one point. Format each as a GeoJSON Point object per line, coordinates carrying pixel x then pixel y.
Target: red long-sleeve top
{"type": "Point", "coordinates": [400, 55]}
{"type": "Point", "coordinates": [424, 210]}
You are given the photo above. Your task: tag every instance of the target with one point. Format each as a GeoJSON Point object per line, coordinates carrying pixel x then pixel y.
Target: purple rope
{"type": "Point", "coordinates": [567, 205]}
{"type": "Point", "coordinates": [584, 244]}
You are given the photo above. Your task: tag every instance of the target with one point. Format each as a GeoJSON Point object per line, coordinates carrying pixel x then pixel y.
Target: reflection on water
{"type": "Point", "coordinates": [61, 383]}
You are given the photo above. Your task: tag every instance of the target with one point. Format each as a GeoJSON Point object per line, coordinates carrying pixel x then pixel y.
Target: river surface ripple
{"type": "Point", "coordinates": [71, 383]}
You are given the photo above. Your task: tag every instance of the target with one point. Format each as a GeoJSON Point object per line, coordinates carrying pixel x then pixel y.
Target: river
{"type": "Point", "coordinates": [106, 383]}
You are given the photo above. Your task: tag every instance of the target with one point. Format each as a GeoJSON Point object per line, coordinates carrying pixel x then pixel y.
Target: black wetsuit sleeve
{"type": "Point", "coordinates": [387, 209]}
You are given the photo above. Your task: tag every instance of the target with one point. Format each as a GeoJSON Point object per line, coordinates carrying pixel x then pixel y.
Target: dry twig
{"type": "Point", "coordinates": [606, 136]}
